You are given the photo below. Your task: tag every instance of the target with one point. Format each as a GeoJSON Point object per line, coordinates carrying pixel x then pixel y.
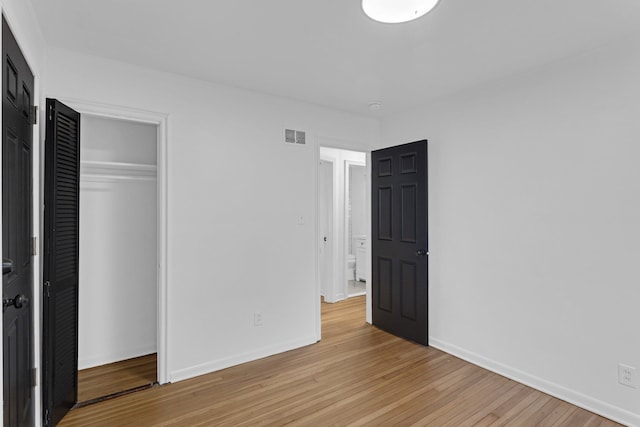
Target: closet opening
{"type": "Point", "coordinates": [118, 268]}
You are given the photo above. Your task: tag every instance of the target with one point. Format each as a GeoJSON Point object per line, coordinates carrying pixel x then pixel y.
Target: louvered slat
{"type": "Point", "coordinates": [61, 261]}
{"type": "Point", "coordinates": [66, 195]}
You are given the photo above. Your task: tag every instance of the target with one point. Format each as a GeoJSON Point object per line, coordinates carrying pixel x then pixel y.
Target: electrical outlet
{"type": "Point", "coordinates": [257, 318]}
{"type": "Point", "coordinates": [627, 375]}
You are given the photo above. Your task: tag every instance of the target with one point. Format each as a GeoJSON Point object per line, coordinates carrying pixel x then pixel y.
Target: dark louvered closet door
{"type": "Point", "coordinates": [61, 244]}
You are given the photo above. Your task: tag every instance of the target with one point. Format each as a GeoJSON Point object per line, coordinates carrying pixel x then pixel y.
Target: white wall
{"type": "Point", "coordinates": [236, 191]}
{"type": "Point", "coordinates": [118, 141]}
{"type": "Point", "coordinates": [339, 157]}
{"type": "Point", "coordinates": [24, 26]}
{"type": "Point", "coordinates": [534, 199]}
{"type": "Point", "coordinates": [118, 230]}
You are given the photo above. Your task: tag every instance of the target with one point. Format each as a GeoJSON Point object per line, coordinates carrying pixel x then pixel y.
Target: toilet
{"type": "Point", "coordinates": [360, 244]}
{"type": "Point", "coordinates": [351, 267]}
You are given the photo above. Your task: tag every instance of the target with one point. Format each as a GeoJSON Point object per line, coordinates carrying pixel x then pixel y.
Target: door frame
{"type": "Point", "coordinates": [351, 145]}
{"type": "Point", "coordinates": [94, 109]}
{"type": "Point", "coordinates": [330, 293]}
{"type": "Point", "coordinates": [319, 236]}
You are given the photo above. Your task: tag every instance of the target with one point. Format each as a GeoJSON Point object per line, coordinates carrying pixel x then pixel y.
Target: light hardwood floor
{"type": "Point", "coordinates": [116, 377]}
{"type": "Point", "coordinates": [357, 375]}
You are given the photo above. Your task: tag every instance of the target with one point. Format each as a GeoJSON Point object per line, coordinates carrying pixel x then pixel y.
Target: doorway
{"type": "Point", "coordinates": [110, 171]}
{"type": "Point", "coordinates": [342, 224]}
{"type": "Point", "coordinates": [117, 334]}
{"type": "Point", "coordinates": [356, 224]}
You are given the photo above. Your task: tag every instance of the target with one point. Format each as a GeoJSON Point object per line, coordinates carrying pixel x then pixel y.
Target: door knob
{"type": "Point", "coordinates": [7, 266]}
{"type": "Point", "coordinates": [18, 302]}
{"type": "Point", "coordinates": [421, 252]}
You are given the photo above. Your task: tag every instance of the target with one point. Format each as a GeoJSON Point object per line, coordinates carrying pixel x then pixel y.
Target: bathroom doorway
{"type": "Point", "coordinates": [356, 223]}
{"type": "Point", "coordinates": [342, 224]}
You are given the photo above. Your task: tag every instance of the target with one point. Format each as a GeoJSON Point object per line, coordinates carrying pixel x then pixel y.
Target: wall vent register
{"type": "Point", "coordinates": [295, 136]}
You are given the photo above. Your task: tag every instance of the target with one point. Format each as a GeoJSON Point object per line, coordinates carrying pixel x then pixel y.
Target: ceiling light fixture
{"type": "Point", "coordinates": [396, 11]}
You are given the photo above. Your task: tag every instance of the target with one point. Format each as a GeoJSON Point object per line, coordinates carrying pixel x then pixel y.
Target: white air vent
{"type": "Point", "coordinates": [295, 136]}
{"type": "Point", "coordinates": [290, 136]}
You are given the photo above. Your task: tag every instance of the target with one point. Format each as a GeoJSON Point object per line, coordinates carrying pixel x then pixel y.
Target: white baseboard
{"type": "Point", "coordinates": [92, 362]}
{"type": "Point", "coordinates": [589, 403]}
{"type": "Point", "coordinates": [216, 365]}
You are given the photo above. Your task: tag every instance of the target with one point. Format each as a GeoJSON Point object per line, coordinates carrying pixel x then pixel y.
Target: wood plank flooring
{"type": "Point", "coordinates": [356, 376]}
{"type": "Point", "coordinates": [116, 377]}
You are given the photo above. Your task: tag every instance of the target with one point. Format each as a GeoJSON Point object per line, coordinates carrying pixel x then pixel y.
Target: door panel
{"type": "Point", "coordinates": [384, 284]}
{"type": "Point", "coordinates": [385, 213]}
{"type": "Point", "coordinates": [17, 222]}
{"type": "Point", "coordinates": [399, 240]}
{"type": "Point", "coordinates": [408, 290]}
{"type": "Point", "coordinates": [408, 217]}
{"type": "Point", "coordinates": [61, 243]}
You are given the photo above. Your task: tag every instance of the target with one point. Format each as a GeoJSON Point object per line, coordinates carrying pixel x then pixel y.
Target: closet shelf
{"type": "Point", "coordinates": [100, 171]}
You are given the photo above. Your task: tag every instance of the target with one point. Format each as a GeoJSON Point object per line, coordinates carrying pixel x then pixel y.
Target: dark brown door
{"type": "Point", "coordinates": [399, 241]}
{"type": "Point", "coordinates": [17, 219]}
{"type": "Point", "coordinates": [61, 246]}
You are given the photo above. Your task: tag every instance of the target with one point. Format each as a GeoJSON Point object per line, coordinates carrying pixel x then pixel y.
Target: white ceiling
{"type": "Point", "coordinates": [327, 52]}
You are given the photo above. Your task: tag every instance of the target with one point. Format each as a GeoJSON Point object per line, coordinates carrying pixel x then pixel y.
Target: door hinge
{"type": "Point", "coordinates": [47, 288]}
{"type": "Point", "coordinates": [34, 246]}
{"type": "Point", "coordinates": [34, 377]}
{"type": "Point", "coordinates": [50, 112]}
{"type": "Point", "coordinates": [47, 418]}
{"type": "Point", "coordinates": [34, 115]}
